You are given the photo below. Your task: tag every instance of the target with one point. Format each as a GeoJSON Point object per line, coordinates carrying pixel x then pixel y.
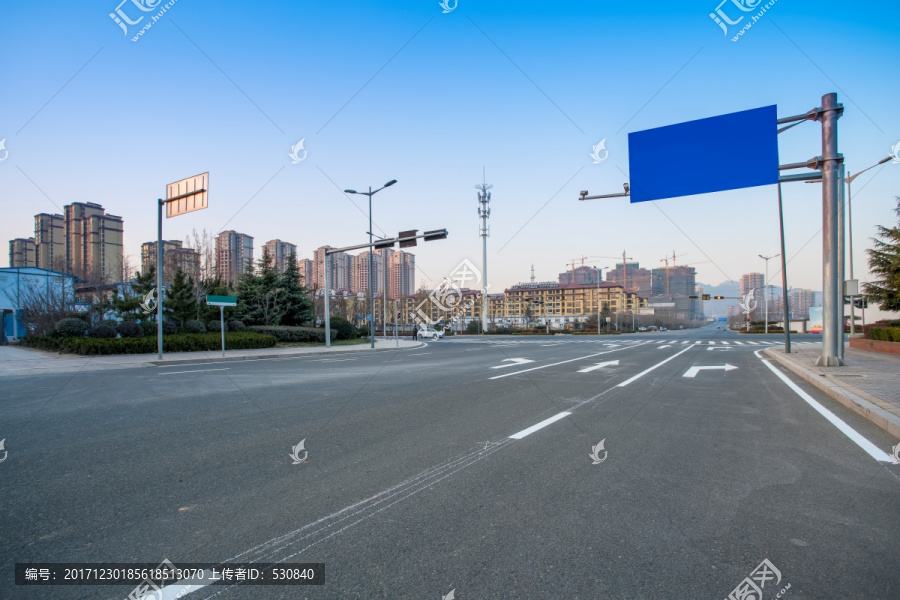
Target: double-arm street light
{"type": "Point", "coordinates": [849, 179]}
{"type": "Point", "coordinates": [766, 293]}
{"type": "Point", "coordinates": [371, 193]}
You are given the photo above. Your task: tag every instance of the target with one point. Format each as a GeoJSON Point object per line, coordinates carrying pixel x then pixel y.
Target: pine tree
{"type": "Point", "coordinates": [127, 302]}
{"type": "Point", "coordinates": [295, 302]}
{"type": "Point", "coordinates": [884, 263]}
{"type": "Point", "coordinates": [180, 304]}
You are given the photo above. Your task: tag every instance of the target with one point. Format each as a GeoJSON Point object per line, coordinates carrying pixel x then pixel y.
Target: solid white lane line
{"type": "Point", "coordinates": [550, 365]}
{"type": "Point", "coordinates": [851, 433]}
{"type": "Point", "coordinates": [657, 365]}
{"type": "Point", "coordinates": [541, 425]}
{"type": "Point", "coordinates": [197, 371]}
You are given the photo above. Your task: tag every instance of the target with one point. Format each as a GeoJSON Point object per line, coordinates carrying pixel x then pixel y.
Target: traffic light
{"type": "Point", "coordinates": [398, 315]}
{"type": "Point", "coordinates": [718, 297]}
{"type": "Point", "coordinates": [408, 234]}
{"type": "Point", "coordinates": [437, 234]}
{"type": "Point", "coordinates": [706, 296]}
{"type": "Point", "coordinates": [861, 302]}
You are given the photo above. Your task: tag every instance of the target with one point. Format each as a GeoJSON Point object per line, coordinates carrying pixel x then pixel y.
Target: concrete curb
{"type": "Point", "coordinates": [217, 359]}
{"type": "Point", "coordinates": [860, 402]}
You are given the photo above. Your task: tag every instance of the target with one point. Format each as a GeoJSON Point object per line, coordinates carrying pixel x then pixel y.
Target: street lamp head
{"type": "Point", "coordinates": [349, 191]}
{"type": "Point", "coordinates": [390, 183]}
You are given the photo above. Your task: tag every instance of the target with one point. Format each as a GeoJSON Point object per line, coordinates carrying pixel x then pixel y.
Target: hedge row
{"type": "Point", "coordinates": [885, 334]}
{"type": "Point", "coordinates": [146, 345]}
{"type": "Point", "coordinates": [284, 333]}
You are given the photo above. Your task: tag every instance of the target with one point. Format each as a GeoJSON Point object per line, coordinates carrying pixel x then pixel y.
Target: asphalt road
{"type": "Point", "coordinates": [465, 466]}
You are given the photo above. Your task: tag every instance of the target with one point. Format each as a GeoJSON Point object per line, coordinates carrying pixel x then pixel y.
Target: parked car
{"type": "Point", "coordinates": [663, 329]}
{"type": "Point", "coordinates": [642, 328]}
{"type": "Point", "coordinates": [430, 332]}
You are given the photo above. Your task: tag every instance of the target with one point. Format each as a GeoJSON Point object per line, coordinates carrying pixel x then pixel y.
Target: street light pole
{"type": "Point", "coordinates": [371, 193]}
{"type": "Point", "coordinates": [766, 292]}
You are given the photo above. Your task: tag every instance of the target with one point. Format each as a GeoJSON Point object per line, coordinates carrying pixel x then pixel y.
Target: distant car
{"type": "Point", "coordinates": [663, 329]}
{"type": "Point", "coordinates": [429, 332]}
{"type": "Point", "coordinates": [642, 328]}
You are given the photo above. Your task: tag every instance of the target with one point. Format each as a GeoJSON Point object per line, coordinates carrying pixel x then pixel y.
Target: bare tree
{"type": "Point", "coordinates": [42, 305]}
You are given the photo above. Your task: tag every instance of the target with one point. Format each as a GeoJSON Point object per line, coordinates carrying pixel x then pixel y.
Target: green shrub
{"type": "Point", "coordinates": [235, 325]}
{"type": "Point", "coordinates": [169, 327]}
{"type": "Point", "coordinates": [885, 334]}
{"type": "Point", "coordinates": [216, 326]}
{"type": "Point", "coordinates": [194, 326]}
{"type": "Point", "coordinates": [71, 327]}
{"type": "Point", "coordinates": [363, 331]}
{"type": "Point", "coordinates": [147, 345]}
{"type": "Point", "coordinates": [285, 333]}
{"type": "Point", "coordinates": [103, 331]}
{"type": "Point", "coordinates": [344, 328]}
{"type": "Point", "coordinates": [148, 328]}
{"type": "Point", "coordinates": [129, 329]}
{"type": "Point", "coordinates": [111, 322]}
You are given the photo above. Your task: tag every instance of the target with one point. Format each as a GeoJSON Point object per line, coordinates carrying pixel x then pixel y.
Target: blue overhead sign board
{"type": "Point", "coordinates": [727, 152]}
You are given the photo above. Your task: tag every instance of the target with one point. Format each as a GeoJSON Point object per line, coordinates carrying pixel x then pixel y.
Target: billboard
{"type": "Point", "coordinates": [815, 319]}
{"type": "Point", "coordinates": [193, 201]}
{"type": "Point", "coordinates": [720, 153]}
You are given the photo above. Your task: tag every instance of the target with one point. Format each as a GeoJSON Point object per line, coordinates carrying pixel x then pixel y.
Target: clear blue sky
{"type": "Point", "coordinates": [383, 90]}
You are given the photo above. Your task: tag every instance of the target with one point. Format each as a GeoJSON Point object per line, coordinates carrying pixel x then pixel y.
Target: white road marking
{"type": "Point", "coordinates": [851, 433]}
{"type": "Point", "coordinates": [657, 365]}
{"type": "Point", "coordinates": [541, 425]}
{"type": "Point", "coordinates": [712, 343]}
{"type": "Point", "coordinates": [663, 347]}
{"type": "Point", "coordinates": [550, 365]}
{"type": "Point", "coordinates": [739, 343]}
{"type": "Point", "coordinates": [711, 348]}
{"type": "Point", "coordinates": [692, 372]}
{"type": "Point", "coordinates": [332, 359]}
{"type": "Point", "coordinates": [513, 362]}
{"type": "Point", "coordinates": [599, 366]}
{"type": "Point", "coordinates": [196, 371]}
{"type": "Point", "coordinates": [727, 343]}
{"type": "Point", "coordinates": [178, 589]}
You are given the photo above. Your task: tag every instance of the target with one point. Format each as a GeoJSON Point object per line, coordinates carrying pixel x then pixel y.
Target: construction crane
{"type": "Point", "coordinates": [572, 262]}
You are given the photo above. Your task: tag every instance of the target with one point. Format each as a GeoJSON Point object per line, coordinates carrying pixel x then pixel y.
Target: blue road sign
{"type": "Point", "coordinates": [723, 319]}
{"type": "Point", "coordinates": [726, 152]}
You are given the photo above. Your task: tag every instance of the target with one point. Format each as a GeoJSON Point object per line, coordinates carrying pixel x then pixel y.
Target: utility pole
{"type": "Point", "coordinates": [484, 211]}
{"type": "Point", "coordinates": [532, 273]}
{"type": "Point", "coordinates": [625, 270]}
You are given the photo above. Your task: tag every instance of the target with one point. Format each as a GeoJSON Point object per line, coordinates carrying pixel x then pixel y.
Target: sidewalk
{"type": "Point", "coordinates": [19, 360]}
{"type": "Point", "coordinates": [868, 383]}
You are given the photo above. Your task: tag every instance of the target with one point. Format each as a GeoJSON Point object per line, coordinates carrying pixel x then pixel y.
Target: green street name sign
{"type": "Point", "coordinates": [221, 301]}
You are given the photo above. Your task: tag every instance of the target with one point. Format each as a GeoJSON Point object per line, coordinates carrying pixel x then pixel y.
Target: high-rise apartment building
{"type": "Point", "coordinates": [280, 252]}
{"type": "Point", "coordinates": [753, 281]}
{"type": "Point", "coordinates": [234, 256]}
{"type": "Point", "coordinates": [305, 266]}
{"type": "Point", "coordinates": [580, 275]}
{"type": "Point", "coordinates": [22, 252]}
{"type": "Point", "coordinates": [402, 275]}
{"type": "Point", "coordinates": [800, 302]}
{"type": "Point", "coordinates": [674, 281]}
{"type": "Point", "coordinates": [632, 277]}
{"type": "Point", "coordinates": [50, 241]}
{"type": "Point", "coordinates": [94, 242]}
{"type": "Point", "coordinates": [175, 257]}
{"type": "Point", "coordinates": [361, 274]}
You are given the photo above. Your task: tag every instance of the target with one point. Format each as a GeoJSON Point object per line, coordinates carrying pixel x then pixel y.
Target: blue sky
{"type": "Point", "coordinates": [400, 90]}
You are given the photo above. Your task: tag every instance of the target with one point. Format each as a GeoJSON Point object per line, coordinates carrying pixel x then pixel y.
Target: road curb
{"type": "Point", "coordinates": [218, 359]}
{"type": "Point", "coordinates": [860, 402]}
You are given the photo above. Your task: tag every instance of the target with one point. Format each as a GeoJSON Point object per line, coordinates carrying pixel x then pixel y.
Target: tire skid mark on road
{"type": "Point", "coordinates": [364, 509]}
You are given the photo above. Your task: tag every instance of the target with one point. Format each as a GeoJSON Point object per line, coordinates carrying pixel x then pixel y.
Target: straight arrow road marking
{"type": "Point", "coordinates": [599, 366]}
{"type": "Point", "coordinates": [692, 372]}
{"type": "Point", "coordinates": [513, 362]}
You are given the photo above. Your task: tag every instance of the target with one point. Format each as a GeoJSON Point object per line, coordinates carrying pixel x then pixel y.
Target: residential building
{"type": "Point", "coordinates": [801, 300]}
{"type": "Point", "coordinates": [305, 266]}
{"type": "Point", "coordinates": [631, 277]}
{"type": "Point", "coordinates": [94, 242]}
{"type": "Point", "coordinates": [280, 252]}
{"type": "Point", "coordinates": [753, 281]}
{"type": "Point", "coordinates": [50, 241]}
{"type": "Point", "coordinates": [674, 281]}
{"type": "Point", "coordinates": [402, 274]}
{"type": "Point", "coordinates": [234, 256]}
{"type": "Point", "coordinates": [22, 252]}
{"type": "Point", "coordinates": [340, 270]}
{"type": "Point", "coordinates": [581, 275]}
{"type": "Point", "coordinates": [361, 272]}
{"type": "Point", "coordinates": [175, 256]}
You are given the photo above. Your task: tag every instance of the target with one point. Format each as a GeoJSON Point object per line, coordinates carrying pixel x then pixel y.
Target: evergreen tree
{"type": "Point", "coordinates": [884, 263]}
{"type": "Point", "coordinates": [259, 294]}
{"type": "Point", "coordinates": [180, 304]}
{"type": "Point", "coordinates": [127, 303]}
{"type": "Point", "coordinates": [295, 302]}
